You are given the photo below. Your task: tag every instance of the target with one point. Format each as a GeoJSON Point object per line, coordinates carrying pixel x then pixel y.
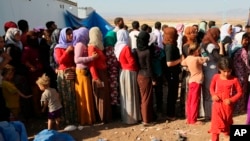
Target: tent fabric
{"type": "Point", "coordinates": [94, 19]}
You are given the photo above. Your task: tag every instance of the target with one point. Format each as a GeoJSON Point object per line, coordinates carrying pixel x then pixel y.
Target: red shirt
{"type": "Point", "coordinates": [127, 60]}
{"type": "Point", "coordinates": [97, 64]}
{"type": "Point", "coordinates": [64, 59]}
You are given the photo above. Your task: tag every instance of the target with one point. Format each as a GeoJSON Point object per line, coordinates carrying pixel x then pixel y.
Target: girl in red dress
{"type": "Point", "coordinates": [225, 90]}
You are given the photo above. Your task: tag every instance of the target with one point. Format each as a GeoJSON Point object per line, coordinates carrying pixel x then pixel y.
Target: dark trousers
{"type": "Point", "coordinates": [158, 90]}
{"type": "Point", "coordinates": [173, 84]}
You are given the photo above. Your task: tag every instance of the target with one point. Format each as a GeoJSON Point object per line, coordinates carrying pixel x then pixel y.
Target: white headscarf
{"type": "Point", "coordinates": [224, 31]}
{"type": "Point", "coordinates": [122, 40]}
{"type": "Point", "coordinates": [236, 43]}
{"type": "Point", "coordinates": [10, 37]}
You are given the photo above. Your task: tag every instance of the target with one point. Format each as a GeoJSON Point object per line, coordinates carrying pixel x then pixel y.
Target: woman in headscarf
{"type": "Point", "coordinates": [113, 70]}
{"type": "Point", "coordinates": [226, 33]}
{"type": "Point", "coordinates": [129, 98]}
{"type": "Point", "coordinates": [99, 73]}
{"type": "Point", "coordinates": [64, 56]}
{"type": "Point", "coordinates": [31, 58]}
{"type": "Point", "coordinates": [241, 68]}
{"type": "Point", "coordinates": [173, 69]}
{"type": "Point", "coordinates": [14, 48]}
{"type": "Point", "coordinates": [210, 48]}
{"type": "Point", "coordinates": [84, 96]}
{"type": "Point", "coordinates": [180, 29]}
{"type": "Point", "coordinates": [201, 31]}
{"type": "Point", "coordinates": [190, 36]}
{"type": "Point", "coordinates": [145, 77]}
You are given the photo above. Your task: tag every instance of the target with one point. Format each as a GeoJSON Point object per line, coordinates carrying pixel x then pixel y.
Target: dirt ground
{"type": "Point", "coordinates": [117, 131]}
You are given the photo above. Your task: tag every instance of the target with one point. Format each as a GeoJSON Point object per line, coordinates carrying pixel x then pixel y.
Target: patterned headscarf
{"type": "Point", "coordinates": [180, 28]}
{"type": "Point", "coordinates": [143, 40]}
{"type": "Point", "coordinates": [110, 39]}
{"type": "Point", "coordinates": [81, 35]}
{"type": "Point", "coordinates": [122, 41]}
{"type": "Point", "coordinates": [62, 43]}
{"type": "Point", "coordinates": [95, 38]}
{"type": "Point", "coordinates": [10, 37]}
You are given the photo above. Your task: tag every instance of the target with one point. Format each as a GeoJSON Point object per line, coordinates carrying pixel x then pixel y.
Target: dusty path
{"type": "Point", "coordinates": [116, 131]}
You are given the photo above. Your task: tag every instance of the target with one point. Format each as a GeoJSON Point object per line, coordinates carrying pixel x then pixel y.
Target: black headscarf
{"type": "Point", "coordinates": [143, 40]}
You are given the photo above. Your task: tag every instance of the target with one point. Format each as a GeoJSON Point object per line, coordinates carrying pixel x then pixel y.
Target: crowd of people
{"type": "Point", "coordinates": [82, 77]}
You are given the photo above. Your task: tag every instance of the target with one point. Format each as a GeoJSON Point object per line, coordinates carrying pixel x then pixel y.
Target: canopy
{"type": "Point", "coordinates": [94, 19]}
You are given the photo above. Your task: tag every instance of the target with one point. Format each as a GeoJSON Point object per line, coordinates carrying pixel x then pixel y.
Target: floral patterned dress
{"type": "Point", "coordinates": [113, 70]}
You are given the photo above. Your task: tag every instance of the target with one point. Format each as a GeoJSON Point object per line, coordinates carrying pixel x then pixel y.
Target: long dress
{"type": "Point", "coordinates": [240, 62]}
{"type": "Point", "coordinates": [98, 69]}
{"type": "Point", "coordinates": [130, 107]}
{"type": "Point", "coordinates": [84, 95]}
{"type": "Point", "coordinates": [222, 114]}
{"type": "Point", "coordinates": [209, 69]}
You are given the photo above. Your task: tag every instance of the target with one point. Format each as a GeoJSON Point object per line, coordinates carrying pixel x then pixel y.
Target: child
{"type": "Point", "coordinates": [225, 90]}
{"type": "Point", "coordinates": [4, 59]}
{"type": "Point", "coordinates": [194, 64]}
{"type": "Point", "coordinates": [10, 92]}
{"type": "Point", "coordinates": [50, 98]}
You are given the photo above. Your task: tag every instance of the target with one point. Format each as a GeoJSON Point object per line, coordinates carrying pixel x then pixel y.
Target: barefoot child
{"type": "Point", "coordinates": [50, 98]}
{"type": "Point", "coordinates": [194, 64]}
{"type": "Point", "coordinates": [225, 90]}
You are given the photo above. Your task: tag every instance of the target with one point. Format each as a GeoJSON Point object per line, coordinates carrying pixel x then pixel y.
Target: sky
{"type": "Point", "coordinates": [129, 7]}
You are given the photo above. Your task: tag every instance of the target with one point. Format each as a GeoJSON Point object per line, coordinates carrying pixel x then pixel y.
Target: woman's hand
{"type": "Point", "coordinates": [215, 98]}
{"type": "Point", "coordinates": [227, 101]}
{"type": "Point", "coordinates": [70, 49]}
{"type": "Point", "coordinates": [99, 83]}
{"type": "Point", "coordinates": [95, 55]}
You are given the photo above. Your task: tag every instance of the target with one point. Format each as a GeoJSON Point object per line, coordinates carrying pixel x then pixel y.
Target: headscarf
{"type": "Point", "coordinates": [236, 43]}
{"type": "Point", "coordinates": [55, 36]}
{"type": "Point", "coordinates": [62, 43]}
{"type": "Point", "coordinates": [203, 27]}
{"type": "Point", "coordinates": [224, 31]}
{"type": "Point", "coordinates": [9, 24]}
{"type": "Point", "coordinates": [180, 28]}
{"type": "Point", "coordinates": [110, 39]}
{"type": "Point", "coordinates": [170, 36]}
{"type": "Point", "coordinates": [81, 35]}
{"type": "Point", "coordinates": [142, 40]}
{"type": "Point", "coordinates": [211, 36]}
{"type": "Point", "coordinates": [10, 37]}
{"type": "Point", "coordinates": [190, 38]}
{"type": "Point", "coordinates": [95, 38]}
{"type": "Point", "coordinates": [122, 40]}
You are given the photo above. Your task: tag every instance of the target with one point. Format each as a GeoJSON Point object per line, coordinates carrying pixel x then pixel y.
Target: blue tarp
{"type": "Point", "coordinates": [52, 135]}
{"type": "Point", "coordinates": [94, 19]}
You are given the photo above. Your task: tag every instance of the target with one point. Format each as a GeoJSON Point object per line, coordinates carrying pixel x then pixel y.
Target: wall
{"type": "Point", "coordinates": [36, 12]}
